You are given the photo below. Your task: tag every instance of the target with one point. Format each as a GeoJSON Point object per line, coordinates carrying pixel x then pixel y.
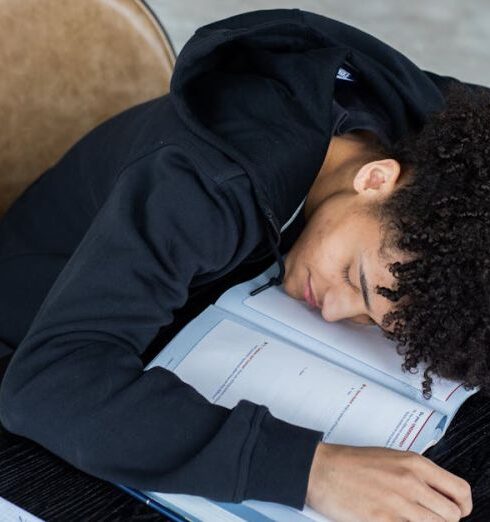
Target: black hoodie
{"type": "Point", "coordinates": [175, 194]}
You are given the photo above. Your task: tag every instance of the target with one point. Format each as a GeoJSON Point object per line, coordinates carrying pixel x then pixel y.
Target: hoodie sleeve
{"type": "Point", "coordinates": [76, 383]}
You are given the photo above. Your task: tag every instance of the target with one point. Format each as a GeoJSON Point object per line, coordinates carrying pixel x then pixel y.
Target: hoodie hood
{"type": "Point", "coordinates": [259, 86]}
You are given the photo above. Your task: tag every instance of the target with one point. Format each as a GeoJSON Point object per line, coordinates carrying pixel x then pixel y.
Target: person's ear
{"type": "Point", "coordinates": [377, 178]}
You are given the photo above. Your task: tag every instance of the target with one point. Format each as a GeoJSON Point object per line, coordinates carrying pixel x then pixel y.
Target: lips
{"type": "Point", "coordinates": [309, 295]}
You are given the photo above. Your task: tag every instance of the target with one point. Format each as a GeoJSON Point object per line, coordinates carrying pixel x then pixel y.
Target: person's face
{"type": "Point", "coordinates": [338, 239]}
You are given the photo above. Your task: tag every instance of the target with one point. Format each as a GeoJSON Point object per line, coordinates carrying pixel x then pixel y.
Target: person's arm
{"type": "Point", "coordinates": [76, 383]}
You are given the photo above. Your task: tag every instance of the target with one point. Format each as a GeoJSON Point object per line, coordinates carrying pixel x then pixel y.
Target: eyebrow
{"type": "Point", "coordinates": [364, 286]}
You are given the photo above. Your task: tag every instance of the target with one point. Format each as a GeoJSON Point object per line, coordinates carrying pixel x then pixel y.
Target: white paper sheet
{"type": "Point", "coordinates": [300, 388]}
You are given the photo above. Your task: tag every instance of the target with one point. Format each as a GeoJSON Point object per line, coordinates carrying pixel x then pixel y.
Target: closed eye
{"type": "Point", "coordinates": [345, 277]}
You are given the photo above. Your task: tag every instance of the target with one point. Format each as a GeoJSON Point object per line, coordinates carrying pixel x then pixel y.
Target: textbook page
{"type": "Point", "coordinates": [361, 348]}
{"type": "Point", "coordinates": [242, 362]}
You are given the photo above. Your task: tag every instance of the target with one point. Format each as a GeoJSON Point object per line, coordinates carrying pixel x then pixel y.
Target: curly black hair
{"type": "Point", "coordinates": [441, 217]}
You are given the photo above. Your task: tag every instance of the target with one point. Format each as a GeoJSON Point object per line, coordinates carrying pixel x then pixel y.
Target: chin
{"type": "Point", "coordinates": [292, 284]}
{"type": "Point", "coordinates": [289, 288]}
{"type": "Point", "coordinates": [285, 286]}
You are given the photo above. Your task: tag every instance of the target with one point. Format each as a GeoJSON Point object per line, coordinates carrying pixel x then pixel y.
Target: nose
{"type": "Point", "coordinates": [340, 305]}
{"type": "Point", "coordinates": [326, 316]}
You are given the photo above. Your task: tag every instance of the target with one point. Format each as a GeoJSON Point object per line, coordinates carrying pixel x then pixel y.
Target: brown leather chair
{"type": "Point", "coordinates": [67, 65]}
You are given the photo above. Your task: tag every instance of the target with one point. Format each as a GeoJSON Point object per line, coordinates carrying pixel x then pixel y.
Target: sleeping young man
{"type": "Point", "coordinates": [284, 132]}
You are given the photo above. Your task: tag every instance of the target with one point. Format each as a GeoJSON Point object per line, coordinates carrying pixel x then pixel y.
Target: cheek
{"type": "Point", "coordinates": [307, 244]}
{"type": "Point", "coordinates": [304, 256]}
{"type": "Point", "coordinates": [328, 247]}
{"type": "Point", "coordinates": [318, 242]}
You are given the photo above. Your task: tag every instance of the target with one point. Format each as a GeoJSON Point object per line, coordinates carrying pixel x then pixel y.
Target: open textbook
{"type": "Point", "coordinates": [342, 378]}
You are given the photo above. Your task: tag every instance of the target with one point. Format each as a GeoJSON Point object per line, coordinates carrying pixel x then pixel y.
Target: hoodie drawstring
{"type": "Point", "coordinates": [275, 280]}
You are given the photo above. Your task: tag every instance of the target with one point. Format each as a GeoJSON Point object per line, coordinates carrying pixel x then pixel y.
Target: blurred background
{"type": "Point", "coordinates": [444, 36]}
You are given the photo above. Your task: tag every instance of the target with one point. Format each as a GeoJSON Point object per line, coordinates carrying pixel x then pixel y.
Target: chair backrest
{"type": "Point", "coordinates": [66, 66]}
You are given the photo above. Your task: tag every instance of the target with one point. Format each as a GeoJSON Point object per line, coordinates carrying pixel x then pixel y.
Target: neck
{"type": "Point", "coordinates": [344, 152]}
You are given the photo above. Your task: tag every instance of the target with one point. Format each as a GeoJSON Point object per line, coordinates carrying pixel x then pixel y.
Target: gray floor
{"type": "Point", "coordinates": [445, 36]}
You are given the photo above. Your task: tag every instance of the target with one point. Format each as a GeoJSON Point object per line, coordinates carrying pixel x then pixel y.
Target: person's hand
{"type": "Point", "coordinates": [374, 484]}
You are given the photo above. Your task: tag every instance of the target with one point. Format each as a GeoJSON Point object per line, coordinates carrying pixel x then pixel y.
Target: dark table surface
{"type": "Point", "coordinates": [53, 490]}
